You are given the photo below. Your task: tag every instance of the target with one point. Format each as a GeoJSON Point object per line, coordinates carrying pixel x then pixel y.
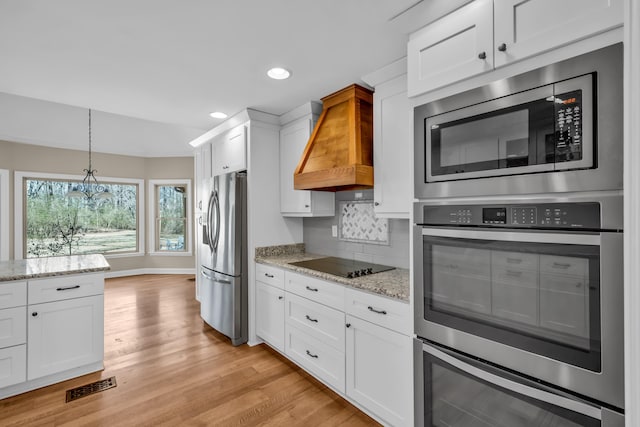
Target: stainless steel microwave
{"type": "Point", "coordinates": [554, 129]}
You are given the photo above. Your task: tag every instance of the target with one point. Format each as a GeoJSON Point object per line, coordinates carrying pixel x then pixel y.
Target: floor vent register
{"type": "Point", "coordinates": [87, 389]}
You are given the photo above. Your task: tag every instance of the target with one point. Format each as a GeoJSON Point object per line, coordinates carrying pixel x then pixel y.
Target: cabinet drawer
{"type": "Point", "coordinates": [13, 294]}
{"type": "Point", "coordinates": [65, 287]}
{"type": "Point", "coordinates": [327, 293]}
{"type": "Point", "coordinates": [270, 275]}
{"type": "Point", "coordinates": [13, 326]}
{"type": "Point", "coordinates": [13, 365]}
{"type": "Point", "coordinates": [317, 320]}
{"type": "Point", "coordinates": [382, 311]}
{"type": "Point", "coordinates": [322, 360]}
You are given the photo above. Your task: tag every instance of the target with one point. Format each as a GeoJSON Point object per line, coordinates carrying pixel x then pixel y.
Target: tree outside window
{"type": "Point", "coordinates": [171, 218]}
{"type": "Point", "coordinates": [59, 225]}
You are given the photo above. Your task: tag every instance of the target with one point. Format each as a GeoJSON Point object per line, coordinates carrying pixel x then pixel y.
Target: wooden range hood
{"type": "Point", "coordinates": [339, 154]}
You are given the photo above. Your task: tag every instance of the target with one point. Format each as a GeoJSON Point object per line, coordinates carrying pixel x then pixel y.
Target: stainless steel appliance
{"type": "Point", "coordinates": [348, 268]}
{"type": "Point", "coordinates": [223, 259]}
{"type": "Point", "coordinates": [554, 129]}
{"type": "Point", "coordinates": [533, 284]}
{"type": "Point", "coordinates": [452, 389]}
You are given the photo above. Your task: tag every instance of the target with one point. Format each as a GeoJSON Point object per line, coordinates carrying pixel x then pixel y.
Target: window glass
{"type": "Point", "coordinates": [56, 224]}
{"type": "Point", "coordinates": [171, 218]}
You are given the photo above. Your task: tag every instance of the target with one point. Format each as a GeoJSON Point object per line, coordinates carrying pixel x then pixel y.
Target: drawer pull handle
{"type": "Point", "coordinates": [68, 288]}
{"type": "Point", "coordinates": [280, 297]}
{"type": "Point", "coordinates": [311, 319]}
{"type": "Point", "coordinates": [377, 311]}
{"type": "Point", "coordinates": [561, 265]}
{"type": "Point", "coordinates": [514, 260]}
{"type": "Point", "coordinates": [315, 356]}
{"type": "Point", "coordinates": [34, 314]}
{"type": "Point", "coordinates": [309, 288]}
{"type": "Point", "coordinates": [270, 276]}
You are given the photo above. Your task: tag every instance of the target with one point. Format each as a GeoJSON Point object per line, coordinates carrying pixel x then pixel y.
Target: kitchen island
{"type": "Point", "coordinates": [51, 320]}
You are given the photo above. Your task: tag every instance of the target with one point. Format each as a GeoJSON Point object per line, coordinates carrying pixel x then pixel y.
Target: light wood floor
{"type": "Point", "coordinates": [174, 370]}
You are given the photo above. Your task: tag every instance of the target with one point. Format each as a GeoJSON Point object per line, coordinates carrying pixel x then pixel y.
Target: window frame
{"type": "Point", "coordinates": [4, 214]}
{"type": "Point", "coordinates": [151, 242]}
{"type": "Point", "coordinates": [20, 203]}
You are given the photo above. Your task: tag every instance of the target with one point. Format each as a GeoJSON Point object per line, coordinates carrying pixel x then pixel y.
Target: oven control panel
{"type": "Point", "coordinates": [546, 215]}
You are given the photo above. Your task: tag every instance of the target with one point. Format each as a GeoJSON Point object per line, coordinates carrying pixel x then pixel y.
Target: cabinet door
{"type": "Point", "coordinates": [13, 326]}
{"type": "Point", "coordinates": [293, 140]}
{"type": "Point", "coordinates": [229, 151]}
{"type": "Point", "coordinates": [13, 365]}
{"type": "Point", "coordinates": [270, 315]}
{"type": "Point", "coordinates": [64, 335]}
{"type": "Point", "coordinates": [379, 371]}
{"type": "Point", "coordinates": [529, 27]}
{"type": "Point", "coordinates": [202, 163]}
{"type": "Point", "coordinates": [392, 149]}
{"type": "Point", "coordinates": [456, 47]}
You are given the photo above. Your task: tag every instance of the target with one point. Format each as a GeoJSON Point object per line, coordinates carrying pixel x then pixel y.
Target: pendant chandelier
{"type": "Point", "coordinates": [90, 188]}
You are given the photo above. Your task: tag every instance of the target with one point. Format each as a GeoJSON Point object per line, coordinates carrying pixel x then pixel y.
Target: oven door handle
{"type": "Point", "coordinates": [516, 387]}
{"type": "Point", "coordinates": [513, 236]}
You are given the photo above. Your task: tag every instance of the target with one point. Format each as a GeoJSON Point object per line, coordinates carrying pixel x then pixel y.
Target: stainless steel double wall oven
{"type": "Point", "coordinates": [518, 250]}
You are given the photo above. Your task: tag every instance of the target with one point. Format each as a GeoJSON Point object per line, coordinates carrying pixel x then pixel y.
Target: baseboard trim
{"type": "Point", "coordinates": [141, 271]}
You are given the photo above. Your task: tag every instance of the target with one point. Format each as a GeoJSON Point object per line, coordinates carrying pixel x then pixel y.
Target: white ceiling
{"type": "Point", "coordinates": [174, 61]}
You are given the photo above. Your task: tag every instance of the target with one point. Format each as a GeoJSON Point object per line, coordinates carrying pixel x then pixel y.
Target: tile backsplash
{"type": "Point", "coordinates": [318, 239]}
{"type": "Point", "coordinates": [358, 223]}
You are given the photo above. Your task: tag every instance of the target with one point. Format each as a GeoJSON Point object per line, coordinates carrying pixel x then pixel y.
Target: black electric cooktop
{"type": "Point", "coordinates": [348, 268]}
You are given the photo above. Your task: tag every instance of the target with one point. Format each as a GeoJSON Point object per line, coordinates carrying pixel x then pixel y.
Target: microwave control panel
{"type": "Point", "coordinates": [568, 111]}
{"type": "Point", "coordinates": [547, 215]}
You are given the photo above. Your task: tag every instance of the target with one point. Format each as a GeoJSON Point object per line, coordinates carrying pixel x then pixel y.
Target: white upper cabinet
{"type": "Point", "coordinates": [528, 27]}
{"type": "Point", "coordinates": [229, 151]}
{"type": "Point", "coordinates": [202, 166]}
{"type": "Point", "coordinates": [456, 47]}
{"type": "Point", "coordinates": [488, 34]}
{"type": "Point", "coordinates": [392, 149]}
{"type": "Point", "coordinates": [305, 203]}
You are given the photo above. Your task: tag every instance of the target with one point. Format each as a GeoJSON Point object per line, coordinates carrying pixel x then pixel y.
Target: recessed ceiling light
{"type": "Point", "coordinates": [278, 73]}
{"type": "Point", "coordinates": [218, 115]}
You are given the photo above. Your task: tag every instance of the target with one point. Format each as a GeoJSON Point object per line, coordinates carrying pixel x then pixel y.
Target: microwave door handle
{"type": "Point", "coordinates": [512, 236]}
{"type": "Point", "coordinates": [516, 387]}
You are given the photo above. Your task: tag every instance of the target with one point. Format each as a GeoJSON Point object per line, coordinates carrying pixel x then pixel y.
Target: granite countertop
{"type": "Point", "coordinates": [32, 268]}
{"type": "Point", "coordinates": [392, 283]}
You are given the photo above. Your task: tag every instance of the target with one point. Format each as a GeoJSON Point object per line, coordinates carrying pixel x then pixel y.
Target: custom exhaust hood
{"type": "Point", "coordinates": [339, 154]}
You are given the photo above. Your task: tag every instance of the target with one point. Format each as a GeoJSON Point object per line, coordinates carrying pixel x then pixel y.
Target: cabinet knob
{"type": "Point", "coordinates": [225, 167]}
{"type": "Point", "coordinates": [502, 47]}
{"type": "Point", "coordinates": [376, 203]}
{"type": "Point", "coordinates": [348, 325]}
{"type": "Point", "coordinates": [34, 314]}
{"type": "Point", "coordinates": [280, 297]}
{"type": "Point", "coordinates": [482, 55]}
{"type": "Point", "coordinates": [306, 206]}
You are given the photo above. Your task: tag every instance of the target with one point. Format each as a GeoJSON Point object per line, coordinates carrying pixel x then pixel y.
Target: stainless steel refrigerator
{"type": "Point", "coordinates": [223, 257]}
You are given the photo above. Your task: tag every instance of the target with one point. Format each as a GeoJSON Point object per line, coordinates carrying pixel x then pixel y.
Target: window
{"type": "Point", "coordinates": [53, 224]}
{"type": "Point", "coordinates": [4, 214]}
{"type": "Point", "coordinates": [170, 224]}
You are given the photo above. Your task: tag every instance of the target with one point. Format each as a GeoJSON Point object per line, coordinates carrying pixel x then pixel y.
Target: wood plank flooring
{"type": "Point", "coordinates": [174, 370]}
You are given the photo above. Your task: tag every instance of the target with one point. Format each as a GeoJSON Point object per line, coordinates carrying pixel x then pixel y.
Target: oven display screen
{"type": "Point", "coordinates": [494, 215]}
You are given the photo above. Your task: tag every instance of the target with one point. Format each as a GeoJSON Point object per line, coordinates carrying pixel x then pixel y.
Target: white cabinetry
{"type": "Point", "coordinates": [493, 33]}
{"type": "Point", "coordinates": [64, 335]}
{"type": "Point", "coordinates": [365, 354]}
{"type": "Point", "coordinates": [270, 305]}
{"type": "Point", "coordinates": [229, 151]}
{"type": "Point", "coordinates": [392, 149]}
{"type": "Point", "coordinates": [202, 169]}
{"type": "Point", "coordinates": [13, 333]}
{"type": "Point", "coordinates": [379, 371]}
{"type": "Point", "coordinates": [51, 330]}
{"type": "Point", "coordinates": [293, 139]}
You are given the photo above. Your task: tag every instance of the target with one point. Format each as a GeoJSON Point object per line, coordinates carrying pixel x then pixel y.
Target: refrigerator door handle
{"type": "Point", "coordinates": [223, 281]}
{"type": "Point", "coordinates": [209, 222]}
{"type": "Point", "coordinates": [216, 202]}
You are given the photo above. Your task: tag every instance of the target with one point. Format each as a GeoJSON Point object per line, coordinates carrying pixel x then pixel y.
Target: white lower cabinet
{"type": "Point", "coordinates": [64, 334]}
{"type": "Point", "coordinates": [270, 315]}
{"type": "Point", "coordinates": [379, 371]}
{"type": "Point", "coordinates": [356, 342]}
{"type": "Point", "coordinates": [13, 365]}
